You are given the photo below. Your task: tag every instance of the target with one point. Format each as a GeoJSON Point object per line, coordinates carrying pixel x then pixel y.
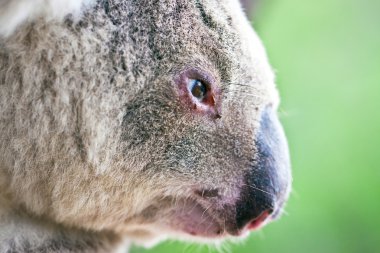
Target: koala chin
{"type": "Point", "coordinates": [134, 121]}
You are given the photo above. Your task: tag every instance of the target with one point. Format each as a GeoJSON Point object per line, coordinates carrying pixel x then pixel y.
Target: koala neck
{"type": "Point", "coordinates": [22, 233]}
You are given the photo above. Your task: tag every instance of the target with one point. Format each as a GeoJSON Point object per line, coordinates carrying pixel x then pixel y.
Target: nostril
{"type": "Point", "coordinates": [257, 222]}
{"type": "Point", "coordinates": [253, 209]}
{"type": "Point", "coordinates": [211, 193]}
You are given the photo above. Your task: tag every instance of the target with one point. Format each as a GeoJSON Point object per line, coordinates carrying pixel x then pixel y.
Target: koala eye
{"type": "Point", "coordinates": [199, 92]}
{"type": "Point", "coordinates": [198, 89]}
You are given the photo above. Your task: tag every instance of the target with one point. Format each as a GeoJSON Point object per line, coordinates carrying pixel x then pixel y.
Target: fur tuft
{"type": "Point", "coordinates": [16, 12]}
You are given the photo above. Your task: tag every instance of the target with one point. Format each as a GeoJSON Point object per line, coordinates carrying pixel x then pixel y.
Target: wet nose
{"type": "Point", "coordinates": [254, 209]}
{"type": "Point", "coordinates": [268, 180]}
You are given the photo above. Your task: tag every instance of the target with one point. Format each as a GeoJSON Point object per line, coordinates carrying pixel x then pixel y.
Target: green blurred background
{"type": "Point", "coordinates": [326, 55]}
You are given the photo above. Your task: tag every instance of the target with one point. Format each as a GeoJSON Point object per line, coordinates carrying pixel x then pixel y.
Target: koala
{"type": "Point", "coordinates": [125, 121]}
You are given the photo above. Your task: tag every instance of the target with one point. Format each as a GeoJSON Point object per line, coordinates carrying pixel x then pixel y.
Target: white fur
{"type": "Point", "coordinates": [16, 12]}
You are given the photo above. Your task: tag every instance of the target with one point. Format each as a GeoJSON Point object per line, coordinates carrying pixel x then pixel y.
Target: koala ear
{"type": "Point", "coordinates": [15, 12]}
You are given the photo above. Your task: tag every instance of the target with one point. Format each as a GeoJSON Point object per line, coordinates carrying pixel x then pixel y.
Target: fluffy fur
{"type": "Point", "coordinates": [15, 12]}
{"type": "Point", "coordinates": [96, 145]}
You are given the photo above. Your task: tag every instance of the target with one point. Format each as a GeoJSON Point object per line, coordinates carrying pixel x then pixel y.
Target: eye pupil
{"type": "Point", "coordinates": [198, 89]}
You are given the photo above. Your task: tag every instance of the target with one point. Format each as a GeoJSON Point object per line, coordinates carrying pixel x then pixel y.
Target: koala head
{"type": "Point", "coordinates": [149, 119]}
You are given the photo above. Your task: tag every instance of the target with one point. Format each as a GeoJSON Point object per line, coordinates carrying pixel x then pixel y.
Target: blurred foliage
{"type": "Point", "coordinates": [327, 58]}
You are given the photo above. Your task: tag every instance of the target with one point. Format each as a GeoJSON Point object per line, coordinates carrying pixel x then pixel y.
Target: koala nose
{"type": "Point", "coordinates": [268, 180]}
{"type": "Point", "coordinates": [253, 212]}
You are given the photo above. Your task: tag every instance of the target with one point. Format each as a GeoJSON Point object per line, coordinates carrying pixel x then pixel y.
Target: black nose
{"type": "Point", "coordinates": [268, 180]}
{"type": "Point", "coordinates": [253, 209]}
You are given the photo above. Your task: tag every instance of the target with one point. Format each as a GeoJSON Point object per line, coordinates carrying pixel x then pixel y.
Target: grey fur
{"type": "Point", "coordinates": [96, 144]}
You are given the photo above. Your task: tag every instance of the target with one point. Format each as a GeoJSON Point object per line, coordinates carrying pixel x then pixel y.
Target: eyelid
{"type": "Point", "coordinates": [210, 103]}
{"type": "Point", "coordinates": [206, 81]}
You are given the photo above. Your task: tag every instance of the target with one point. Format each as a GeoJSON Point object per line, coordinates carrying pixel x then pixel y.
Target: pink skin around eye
{"type": "Point", "coordinates": [210, 104]}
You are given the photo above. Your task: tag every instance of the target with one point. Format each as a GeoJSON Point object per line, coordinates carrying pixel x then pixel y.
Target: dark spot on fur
{"type": "Point", "coordinates": [207, 19]}
{"type": "Point", "coordinates": [211, 193]}
{"type": "Point", "coordinates": [106, 6]}
{"type": "Point", "coordinates": [229, 20]}
{"type": "Point", "coordinates": [68, 20]}
{"type": "Point", "coordinates": [77, 109]}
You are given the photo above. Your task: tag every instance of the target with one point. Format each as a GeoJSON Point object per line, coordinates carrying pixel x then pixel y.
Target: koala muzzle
{"type": "Point", "coordinates": [268, 181]}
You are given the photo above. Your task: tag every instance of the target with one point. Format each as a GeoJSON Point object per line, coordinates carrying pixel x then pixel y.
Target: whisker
{"type": "Point", "coordinates": [256, 188]}
{"type": "Point", "coordinates": [205, 211]}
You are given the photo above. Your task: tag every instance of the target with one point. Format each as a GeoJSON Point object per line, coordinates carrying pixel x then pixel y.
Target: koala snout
{"type": "Point", "coordinates": [262, 192]}
{"type": "Point", "coordinates": [268, 181]}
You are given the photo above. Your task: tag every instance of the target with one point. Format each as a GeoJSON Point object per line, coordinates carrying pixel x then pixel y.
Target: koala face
{"type": "Point", "coordinates": [208, 121]}
{"type": "Point", "coordinates": [158, 118]}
